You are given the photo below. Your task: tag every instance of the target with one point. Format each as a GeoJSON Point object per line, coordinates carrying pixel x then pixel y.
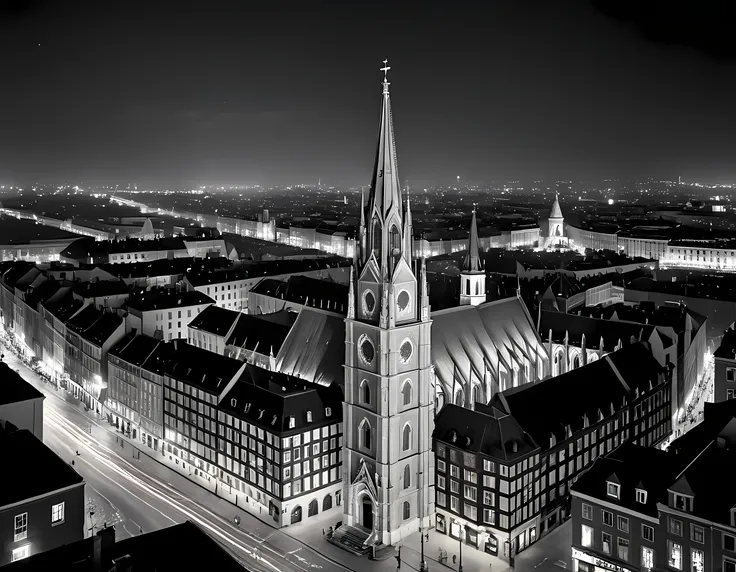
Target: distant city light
{"type": "Point", "coordinates": [610, 201]}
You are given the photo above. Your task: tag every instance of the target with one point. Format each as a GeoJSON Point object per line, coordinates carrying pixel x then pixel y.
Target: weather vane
{"type": "Point", "coordinates": [385, 69]}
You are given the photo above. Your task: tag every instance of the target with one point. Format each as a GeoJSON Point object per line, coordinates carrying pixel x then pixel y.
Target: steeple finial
{"type": "Point", "coordinates": [385, 69]}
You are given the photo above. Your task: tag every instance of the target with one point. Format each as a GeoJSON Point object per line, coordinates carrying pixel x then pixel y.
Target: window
{"type": "Point", "coordinates": [647, 557]}
{"type": "Point", "coordinates": [731, 374]}
{"type": "Point", "coordinates": [489, 516]}
{"type": "Point", "coordinates": [683, 503]}
{"type": "Point", "coordinates": [586, 536]}
{"type": "Point", "coordinates": [470, 492]}
{"type": "Point", "coordinates": [365, 392]}
{"type": "Point", "coordinates": [729, 565]}
{"type": "Point", "coordinates": [697, 534]}
{"type": "Point", "coordinates": [623, 549]}
{"type": "Point", "coordinates": [309, 416]}
{"type": "Point", "coordinates": [406, 438]}
{"type": "Point", "coordinates": [441, 482]}
{"type": "Point", "coordinates": [623, 524]}
{"type": "Point", "coordinates": [406, 392]}
{"type": "Point", "coordinates": [365, 433]}
{"type": "Point", "coordinates": [470, 511]}
{"type": "Point", "coordinates": [607, 518]}
{"type": "Point", "coordinates": [697, 560]}
{"type": "Point", "coordinates": [613, 489]}
{"type": "Point", "coordinates": [455, 471]}
{"type": "Point", "coordinates": [453, 503]}
{"type": "Point", "coordinates": [21, 552]}
{"type": "Point", "coordinates": [641, 496]}
{"type": "Point", "coordinates": [407, 477]}
{"type": "Point", "coordinates": [675, 526]}
{"type": "Point", "coordinates": [606, 542]}
{"type": "Point", "coordinates": [729, 543]}
{"type": "Point", "coordinates": [674, 555]}
{"type": "Point", "coordinates": [57, 513]}
{"type": "Point", "coordinates": [407, 510]}
{"type": "Point", "coordinates": [647, 532]}
{"type": "Point", "coordinates": [21, 527]}
{"type": "Point", "coordinates": [440, 465]}
{"type": "Point", "coordinates": [587, 512]}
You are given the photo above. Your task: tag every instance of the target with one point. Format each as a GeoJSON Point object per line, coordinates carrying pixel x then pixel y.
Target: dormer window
{"type": "Point", "coordinates": [292, 423]}
{"type": "Point", "coordinates": [683, 503]}
{"type": "Point", "coordinates": [641, 496]}
{"type": "Point", "coordinates": [328, 411]}
{"type": "Point", "coordinates": [613, 490]}
{"type": "Point", "coordinates": [733, 516]}
{"type": "Point", "coordinates": [309, 416]}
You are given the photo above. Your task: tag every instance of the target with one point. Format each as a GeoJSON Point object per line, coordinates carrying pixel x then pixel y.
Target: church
{"type": "Point", "coordinates": [403, 363]}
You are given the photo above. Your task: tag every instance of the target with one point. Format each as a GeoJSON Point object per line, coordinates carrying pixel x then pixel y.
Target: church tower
{"type": "Point", "coordinates": [388, 463]}
{"type": "Point", "coordinates": [472, 275]}
{"type": "Point", "coordinates": [556, 222]}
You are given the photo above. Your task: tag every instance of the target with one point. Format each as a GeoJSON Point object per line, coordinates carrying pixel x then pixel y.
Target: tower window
{"type": "Point", "coordinates": [407, 510]}
{"type": "Point", "coordinates": [395, 246]}
{"type": "Point", "coordinates": [365, 392]}
{"type": "Point", "coordinates": [369, 302]}
{"type": "Point", "coordinates": [406, 392]}
{"type": "Point", "coordinates": [366, 349]}
{"type": "Point", "coordinates": [407, 477]}
{"type": "Point", "coordinates": [406, 438]}
{"type": "Point", "coordinates": [403, 300]}
{"type": "Point", "coordinates": [405, 351]}
{"type": "Point", "coordinates": [365, 434]}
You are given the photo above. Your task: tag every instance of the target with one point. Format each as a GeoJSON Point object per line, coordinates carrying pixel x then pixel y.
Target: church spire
{"type": "Point", "coordinates": [556, 211]}
{"type": "Point", "coordinates": [473, 262]}
{"type": "Point", "coordinates": [384, 211]}
{"type": "Point", "coordinates": [408, 230]}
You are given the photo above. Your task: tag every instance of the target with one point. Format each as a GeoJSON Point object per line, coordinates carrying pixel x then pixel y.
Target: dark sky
{"type": "Point", "coordinates": [185, 93]}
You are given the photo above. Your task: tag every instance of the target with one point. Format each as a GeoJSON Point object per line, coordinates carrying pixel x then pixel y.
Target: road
{"type": "Point", "coordinates": [145, 495]}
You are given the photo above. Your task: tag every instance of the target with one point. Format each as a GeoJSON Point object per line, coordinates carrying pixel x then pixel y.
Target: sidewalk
{"type": "Point", "coordinates": [473, 559]}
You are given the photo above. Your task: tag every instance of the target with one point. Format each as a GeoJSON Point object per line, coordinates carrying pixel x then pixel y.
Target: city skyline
{"type": "Point", "coordinates": [178, 97]}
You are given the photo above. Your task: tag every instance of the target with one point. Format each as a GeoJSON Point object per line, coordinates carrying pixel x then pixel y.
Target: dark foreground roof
{"type": "Point", "coordinates": [177, 548]}
{"type": "Point", "coordinates": [13, 388]}
{"type": "Point", "coordinates": [49, 472]}
{"type": "Point", "coordinates": [215, 320]}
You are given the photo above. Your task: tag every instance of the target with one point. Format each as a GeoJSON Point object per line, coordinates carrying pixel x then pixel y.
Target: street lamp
{"type": "Point", "coordinates": [461, 527]}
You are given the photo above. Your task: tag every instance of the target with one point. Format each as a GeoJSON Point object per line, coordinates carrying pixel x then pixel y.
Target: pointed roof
{"type": "Point", "coordinates": [556, 211]}
{"type": "Point", "coordinates": [385, 190]}
{"type": "Point", "coordinates": [473, 261]}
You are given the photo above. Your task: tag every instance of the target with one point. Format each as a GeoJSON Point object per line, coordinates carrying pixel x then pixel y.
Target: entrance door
{"type": "Point", "coordinates": [367, 513]}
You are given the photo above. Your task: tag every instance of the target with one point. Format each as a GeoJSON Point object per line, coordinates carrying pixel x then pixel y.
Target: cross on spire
{"type": "Point", "coordinates": [385, 69]}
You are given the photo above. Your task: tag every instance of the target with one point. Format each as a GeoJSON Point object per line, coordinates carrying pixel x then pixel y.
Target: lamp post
{"type": "Point", "coordinates": [461, 528]}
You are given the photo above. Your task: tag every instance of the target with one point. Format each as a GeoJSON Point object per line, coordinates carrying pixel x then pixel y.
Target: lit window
{"type": "Point", "coordinates": [606, 541]}
{"type": "Point", "coordinates": [309, 416]}
{"type": "Point", "coordinates": [21, 527]}
{"type": "Point", "coordinates": [57, 513]}
{"type": "Point", "coordinates": [674, 555]}
{"type": "Point", "coordinates": [647, 558]}
{"type": "Point", "coordinates": [623, 549]}
{"type": "Point", "coordinates": [586, 537]}
{"type": "Point", "coordinates": [291, 422]}
{"type": "Point", "coordinates": [21, 552]}
{"type": "Point", "coordinates": [697, 560]}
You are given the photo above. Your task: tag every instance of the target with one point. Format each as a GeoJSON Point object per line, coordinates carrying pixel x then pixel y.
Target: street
{"type": "Point", "coordinates": [137, 495]}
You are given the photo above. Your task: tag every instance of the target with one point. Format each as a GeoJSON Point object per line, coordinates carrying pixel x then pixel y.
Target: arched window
{"type": "Point", "coordinates": [477, 288]}
{"type": "Point", "coordinates": [313, 508]}
{"type": "Point", "coordinates": [407, 477]}
{"type": "Point", "coordinates": [376, 239]}
{"type": "Point", "coordinates": [476, 394]}
{"type": "Point", "coordinates": [576, 362]}
{"type": "Point", "coordinates": [365, 434]}
{"type": "Point", "coordinates": [439, 398]}
{"type": "Point", "coordinates": [327, 503]}
{"type": "Point", "coordinates": [406, 438]}
{"type": "Point", "coordinates": [394, 246]}
{"type": "Point", "coordinates": [365, 392]}
{"type": "Point", "coordinates": [459, 397]}
{"type": "Point", "coordinates": [296, 514]}
{"type": "Point", "coordinates": [467, 286]}
{"type": "Point", "coordinates": [407, 510]}
{"type": "Point", "coordinates": [406, 392]}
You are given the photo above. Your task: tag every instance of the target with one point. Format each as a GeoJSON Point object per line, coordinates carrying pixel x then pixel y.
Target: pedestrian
{"type": "Point", "coordinates": [454, 559]}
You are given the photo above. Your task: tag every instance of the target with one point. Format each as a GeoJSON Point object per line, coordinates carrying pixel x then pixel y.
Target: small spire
{"type": "Point", "coordinates": [351, 294]}
{"type": "Point", "coordinates": [385, 69]}
{"type": "Point", "coordinates": [473, 262]}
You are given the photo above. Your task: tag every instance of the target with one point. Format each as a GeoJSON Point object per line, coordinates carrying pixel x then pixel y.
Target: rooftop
{"type": "Point", "coordinates": [158, 551]}
{"type": "Point", "coordinates": [215, 320]}
{"type": "Point", "coordinates": [165, 298]}
{"type": "Point", "coordinates": [206, 370]}
{"type": "Point", "coordinates": [101, 288]}
{"type": "Point", "coordinates": [552, 407]}
{"type": "Point", "coordinates": [48, 474]}
{"type": "Point", "coordinates": [486, 430]}
{"type": "Point", "coordinates": [322, 294]}
{"type": "Point", "coordinates": [135, 349]}
{"type": "Point", "coordinates": [265, 331]}
{"type": "Point", "coordinates": [14, 387]}
{"type": "Point", "coordinates": [271, 399]}
{"type": "Point", "coordinates": [727, 349]}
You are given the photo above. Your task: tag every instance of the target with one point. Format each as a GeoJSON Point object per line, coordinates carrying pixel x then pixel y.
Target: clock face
{"type": "Point", "coordinates": [369, 302]}
{"type": "Point", "coordinates": [405, 351]}
{"type": "Point", "coordinates": [366, 349]}
{"type": "Point", "coordinates": [403, 300]}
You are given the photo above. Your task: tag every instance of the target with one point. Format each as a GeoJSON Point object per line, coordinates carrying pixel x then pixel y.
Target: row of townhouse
{"type": "Point", "coordinates": [504, 470]}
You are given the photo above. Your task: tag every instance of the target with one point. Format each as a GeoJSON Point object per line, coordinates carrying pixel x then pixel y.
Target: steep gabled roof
{"type": "Point", "coordinates": [215, 320]}
{"type": "Point", "coordinates": [556, 211]}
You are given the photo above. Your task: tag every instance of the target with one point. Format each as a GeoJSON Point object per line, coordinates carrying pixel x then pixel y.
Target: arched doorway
{"type": "Point", "coordinates": [366, 513]}
{"type": "Point", "coordinates": [313, 508]}
{"type": "Point", "coordinates": [327, 503]}
{"type": "Point", "coordinates": [296, 515]}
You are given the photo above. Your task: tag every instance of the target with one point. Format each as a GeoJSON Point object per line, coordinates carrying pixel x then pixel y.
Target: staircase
{"type": "Point", "coordinates": [352, 539]}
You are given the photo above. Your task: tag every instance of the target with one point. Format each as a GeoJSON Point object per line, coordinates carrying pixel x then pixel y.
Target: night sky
{"type": "Point", "coordinates": [188, 93]}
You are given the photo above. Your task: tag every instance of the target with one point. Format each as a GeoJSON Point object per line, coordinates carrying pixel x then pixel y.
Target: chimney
{"type": "Point", "coordinates": [102, 542]}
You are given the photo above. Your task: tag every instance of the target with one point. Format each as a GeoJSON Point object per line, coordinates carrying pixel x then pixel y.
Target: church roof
{"type": "Point", "coordinates": [314, 349]}
{"type": "Point", "coordinates": [473, 262]}
{"type": "Point", "coordinates": [469, 340]}
{"type": "Point", "coordinates": [556, 211]}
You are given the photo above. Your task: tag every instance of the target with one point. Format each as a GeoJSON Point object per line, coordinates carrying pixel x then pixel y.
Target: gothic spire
{"type": "Point", "coordinates": [473, 261]}
{"type": "Point", "coordinates": [385, 191]}
{"type": "Point", "coordinates": [556, 211]}
{"type": "Point", "coordinates": [408, 230]}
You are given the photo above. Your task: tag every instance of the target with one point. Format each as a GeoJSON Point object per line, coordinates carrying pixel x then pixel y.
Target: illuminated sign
{"type": "Point", "coordinates": [580, 555]}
